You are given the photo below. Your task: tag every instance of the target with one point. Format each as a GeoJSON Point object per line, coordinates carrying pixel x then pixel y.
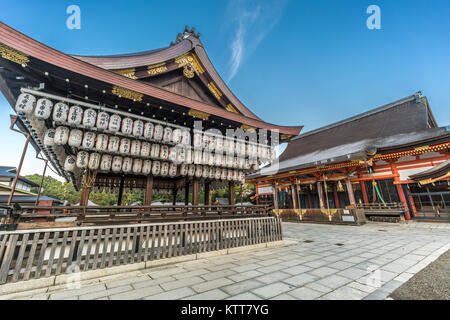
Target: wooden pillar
{"type": "Point", "coordinates": [119, 196]}
{"type": "Point", "coordinates": [231, 193]}
{"type": "Point", "coordinates": [336, 198]}
{"type": "Point", "coordinates": [401, 194]}
{"type": "Point", "coordinates": [148, 191]}
{"type": "Point", "coordinates": [351, 195]}
{"type": "Point", "coordinates": [294, 196]}
{"type": "Point", "coordinates": [320, 192]}
{"type": "Point", "coordinates": [84, 198]}
{"type": "Point", "coordinates": [310, 203]}
{"type": "Point", "coordinates": [402, 197]}
{"type": "Point", "coordinates": [275, 196]}
{"type": "Point", "coordinates": [174, 196]}
{"type": "Point", "coordinates": [186, 193]}
{"type": "Point", "coordinates": [207, 202]}
{"type": "Point", "coordinates": [195, 189]}
{"type": "Point", "coordinates": [363, 189]}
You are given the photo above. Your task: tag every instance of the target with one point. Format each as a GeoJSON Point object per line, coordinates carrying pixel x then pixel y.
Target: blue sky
{"type": "Point", "coordinates": [291, 62]}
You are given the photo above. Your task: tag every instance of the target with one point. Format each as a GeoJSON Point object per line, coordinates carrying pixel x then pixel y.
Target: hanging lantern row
{"type": "Point", "coordinates": [112, 144]}
{"type": "Point", "coordinates": [106, 162]}
{"type": "Point", "coordinates": [75, 115]}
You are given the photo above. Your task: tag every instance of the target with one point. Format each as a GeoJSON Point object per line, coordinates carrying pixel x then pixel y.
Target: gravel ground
{"type": "Point", "coordinates": [431, 283]}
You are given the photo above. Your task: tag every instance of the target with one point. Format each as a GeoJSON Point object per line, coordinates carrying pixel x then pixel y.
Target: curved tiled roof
{"type": "Point", "coordinates": [18, 41]}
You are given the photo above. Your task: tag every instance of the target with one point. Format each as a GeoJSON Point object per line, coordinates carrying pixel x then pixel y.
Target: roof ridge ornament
{"type": "Point", "coordinates": [186, 34]}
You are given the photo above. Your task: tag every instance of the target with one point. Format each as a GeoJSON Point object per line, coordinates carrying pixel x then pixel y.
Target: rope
{"type": "Point", "coordinates": [375, 187]}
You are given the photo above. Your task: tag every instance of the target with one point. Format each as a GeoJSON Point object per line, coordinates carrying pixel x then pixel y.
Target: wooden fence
{"type": "Point", "coordinates": [33, 254]}
{"type": "Point", "coordinates": [43, 217]}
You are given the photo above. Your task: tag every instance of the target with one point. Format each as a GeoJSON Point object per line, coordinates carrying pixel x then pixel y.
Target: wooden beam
{"type": "Point", "coordinates": [294, 196]}
{"type": "Point", "coordinates": [195, 189]}
{"type": "Point", "coordinates": [148, 191]}
{"type": "Point", "coordinates": [207, 193]}
{"type": "Point", "coordinates": [320, 192]}
{"type": "Point", "coordinates": [231, 193]}
{"type": "Point", "coordinates": [275, 196]}
{"type": "Point", "coordinates": [186, 193]}
{"type": "Point", "coordinates": [351, 195]}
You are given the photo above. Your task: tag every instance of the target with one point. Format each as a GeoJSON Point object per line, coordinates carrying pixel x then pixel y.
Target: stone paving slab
{"type": "Point", "coordinates": [370, 264]}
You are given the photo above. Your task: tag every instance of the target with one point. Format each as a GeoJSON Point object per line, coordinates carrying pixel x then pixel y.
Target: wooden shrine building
{"type": "Point", "coordinates": [394, 154]}
{"type": "Point", "coordinates": [127, 122]}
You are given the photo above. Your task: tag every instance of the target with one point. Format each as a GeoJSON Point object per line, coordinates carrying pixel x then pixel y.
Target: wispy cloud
{"type": "Point", "coordinates": [252, 21]}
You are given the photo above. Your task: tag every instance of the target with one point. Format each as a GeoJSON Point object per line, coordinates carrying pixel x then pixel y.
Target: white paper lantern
{"type": "Point", "coordinates": [247, 164]}
{"type": "Point", "coordinates": [273, 154]}
{"type": "Point", "coordinates": [114, 123]}
{"type": "Point", "coordinates": [172, 170]}
{"type": "Point", "coordinates": [211, 172]}
{"type": "Point", "coordinates": [70, 163]}
{"type": "Point", "coordinates": [102, 120]}
{"type": "Point", "coordinates": [223, 176]}
{"type": "Point", "coordinates": [242, 148]}
{"type": "Point", "coordinates": [173, 154]}
{"type": "Point", "coordinates": [145, 149]}
{"type": "Point", "coordinates": [101, 143]}
{"type": "Point", "coordinates": [106, 162]}
{"type": "Point", "coordinates": [135, 148]}
{"type": "Point", "coordinates": [89, 118]}
{"type": "Point", "coordinates": [25, 103]}
{"type": "Point", "coordinates": [189, 159]}
{"type": "Point", "coordinates": [113, 144]}
{"type": "Point", "coordinates": [229, 175]}
{"type": "Point", "coordinates": [205, 172]}
{"type": "Point", "coordinates": [125, 145]}
{"type": "Point", "coordinates": [117, 164]}
{"type": "Point", "coordinates": [75, 138]}
{"type": "Point", "coordinates": [82, 159]}
{"type": "Point", "coordinates": [176, 136]}
{"type": "Point", "coordinates": [49, 138]}
{"type": "Point", "coordinates": [89, 140]}
{"type": "Point", "coordinates": [156, 168]}
{"type": "Point", "coordinates": [219, 143]}
{"type": "Point", "coordinates": [210, 159]}
{"type": "Point", "coordinates": [138, 128]}
{"type": "Point", "coordinates": [181, 154]}
{"type": "Point", "coordinates": [211, 143]}
{"type": "Point", "coordinates": [94, 161]}
{"type": "Point", "coordinates": [158, 133]}
{"type": "Point", "coordinates": [198, 140]}
{"type": "Point", "coordinates": [167, 134]}
{"type": "Point", "coordinates": [75, 115]}
{"type": "Point", "coordinates": [60, 112]}
{"type": "Point", "coordinates": [127, 126]}
{"type": "Point", "coordinates": [186, 137]}
{"type": "Point", "coordinates": [43, 109]}
{"type": "Point", "coordinates": [230, 146]}
{"type": "Point", "coordinates": [137, 166]}
{"type": "Point", "coordinates": [218, 158]}
{"type": "Point", "coordinates": [261, 152]}
{"type": "Point", "coordinates": [147, 167]}
{"type": "Point", "coordinates": [61, 135]}
{"type": "Point", "coordinates": [224, 161]}
{"type": "Point", "coordinates": [184, 168]}
{"type": "Point", "coordinates": [205, 157]}
{"type": "Point", "coordinates": [198, 156]}
{"type": "Point", "coordinates": [230, 161]}
{"type": "Point", "coordinates": [164, 153]}
{"type": "Point", "coordinates": [241, 162]}
{"type": "Point", "coordinates": [217, 173]}
{"type": "Point", "coordinates": [198, 170]}
{"type": "Point", "coordinates": [235, 175]}
{"type": "Point", "coordinates": [127, 164]}
{"type": "Point", "coordinates": [191, 170]}
{"type": "Point", "coordinates": [148, 130]}
{"type": "Point", "coordinates": [155, 150]}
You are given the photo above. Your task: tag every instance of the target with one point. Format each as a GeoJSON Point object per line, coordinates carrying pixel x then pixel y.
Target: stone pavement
{"type": "Point", "coordinates": [322, 262]}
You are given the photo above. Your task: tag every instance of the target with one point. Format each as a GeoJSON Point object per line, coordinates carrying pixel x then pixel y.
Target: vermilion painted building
{"type": "Point", "coordinates": [394, 153]}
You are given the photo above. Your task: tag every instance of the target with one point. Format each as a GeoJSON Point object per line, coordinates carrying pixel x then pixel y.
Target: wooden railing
{"type": "Point", "coordinates": [27, 254]}
{"type": "Point", "coordinates": [392, 209]}
{"type": "Point", "coordinates": [88, 215]}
